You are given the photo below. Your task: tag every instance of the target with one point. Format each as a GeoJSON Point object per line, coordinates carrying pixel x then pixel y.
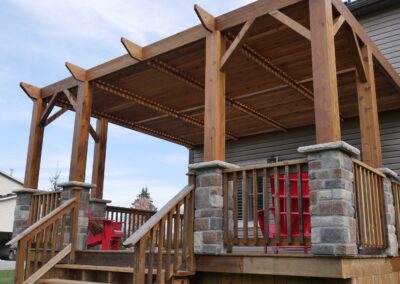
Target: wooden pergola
{"type": "Point", "coordinates": [266, 67]}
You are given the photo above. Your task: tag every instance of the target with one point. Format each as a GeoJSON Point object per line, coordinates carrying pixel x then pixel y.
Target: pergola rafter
{"type": "Point", "coordinates": [151, 104]}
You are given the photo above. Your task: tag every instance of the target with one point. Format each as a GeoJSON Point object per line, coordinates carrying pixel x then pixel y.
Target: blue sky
{"type": "Point", "coordinates": [38, 37]}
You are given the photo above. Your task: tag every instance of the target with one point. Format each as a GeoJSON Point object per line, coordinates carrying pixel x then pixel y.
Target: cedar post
{"type": "Point", "coordinates": [214, 92]}
{"type": "Point", "coordinates": [327, 120]}
{"type": "Point", "coordinates": [368, 113]}
{"type": "Point", "coordinates": [35, 138]}
{"type": "Point", "coordinates": [82, 125]}
{"type": "Point", "coordinates": [99, 159]}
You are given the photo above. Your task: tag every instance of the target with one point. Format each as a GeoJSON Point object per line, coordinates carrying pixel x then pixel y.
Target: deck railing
{"type": "Point", "coordinates": [131, 219]}
{"type": "Point", "coordinates": [276, 191]}
{"type": "Point", "coordinates": [43, 203]}
{"type": "Point", "coordinates": [44, 244]}
{"type": "Point", "coordinates": [164, 244]}
{"type": "Point", "coordinates": [370, 206]}
{"type": "Point", "coordinates": [396, 200]}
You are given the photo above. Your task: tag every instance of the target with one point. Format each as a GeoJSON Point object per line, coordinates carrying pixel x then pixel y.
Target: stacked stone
{"type": "Point", "coordinates": [332, 209]}
{"type": "Point", "coordinates": [209, 202]}
{"type": "Point", "coordinates": [68, 192]}
{"type": "Point", "coordinates": [22, 209]}
{"type": "Point", "coordinates": [98, 207]}
{"type": "Point", "coordinates": [393, 247]}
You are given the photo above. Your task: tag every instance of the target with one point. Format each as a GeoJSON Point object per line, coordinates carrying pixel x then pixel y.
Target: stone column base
{"type": "Point", "coordinates": [67, 193]}
{"type": "Point", "coordinates": [209, 204]}
{"type": "Point", "coordinates": [333, 223]}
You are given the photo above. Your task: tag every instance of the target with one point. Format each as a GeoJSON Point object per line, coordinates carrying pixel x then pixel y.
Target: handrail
{"type": "Point", "coordinates": [371, 169]}
{"type": "Point", "coordinates": [131, 218]}
{"type": "Point", "coordinates": [46, 219]}
{"type": "Point", "coordinates": [45, 243]}
{"type": "Point", "coordinates": [146, 227]}
{"type": "Point", "coordinates": [266, 165]}
{"type": "Point", "coordinates": [165, 241]}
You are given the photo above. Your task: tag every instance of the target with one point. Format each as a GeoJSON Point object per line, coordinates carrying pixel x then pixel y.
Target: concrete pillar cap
{"type": "Point", "coordinates": [212, 164]}
{"type": "Point", "coordinates": [98, 200]}
{"type": "Point", "coordinates": [388, 172]}
{"type": "Point", "coordinates": [76, 184]}
{"type": "Point", "coordinates": [27, 190]}
{"type": "Point", "coordinates": [337, 145]}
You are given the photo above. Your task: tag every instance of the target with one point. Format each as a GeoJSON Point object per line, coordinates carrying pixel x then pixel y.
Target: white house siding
{"type": "Point", "coordinates": [8, 184]}
{"type": "Point", "coordinates": [7, 206]}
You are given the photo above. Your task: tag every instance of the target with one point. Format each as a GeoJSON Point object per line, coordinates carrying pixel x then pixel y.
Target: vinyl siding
{"type": "Point", "coordinates": [384, 29]}
{"type": "Point", "coordinates": [284, 146]}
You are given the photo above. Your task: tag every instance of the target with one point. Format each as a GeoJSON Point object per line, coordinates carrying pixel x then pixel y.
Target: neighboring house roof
{"type": "Point", "coordinates": [7, 197]}
{"type": "Point", "coordinates": [20, 182]}
{"type": "Point", "coordinates": [8, 184]}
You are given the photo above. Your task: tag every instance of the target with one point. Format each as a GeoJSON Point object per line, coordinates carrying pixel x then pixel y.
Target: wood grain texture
{"type": "Point", "coordinates": [326, 105]}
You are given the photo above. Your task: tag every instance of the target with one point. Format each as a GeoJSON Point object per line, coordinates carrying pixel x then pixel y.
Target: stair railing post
{"type": "Point", "coordinates": [140, 261]}
{"type": "Point", "coordinates": [75, 220]}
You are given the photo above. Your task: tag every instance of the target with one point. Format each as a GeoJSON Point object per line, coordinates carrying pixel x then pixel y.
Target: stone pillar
{"type": "Point", "coordinates": [393, 246]}
{"type": "Point", "coordinates": [22, 209]}
{"type": "Point", "coordinates": [98, 207]}
{"type": "Point", "coordinates": [209, 202]}
{"type": "Point", "coordinates": [68, 191]}
{"type": "Point", "coordinates": [333, 223]}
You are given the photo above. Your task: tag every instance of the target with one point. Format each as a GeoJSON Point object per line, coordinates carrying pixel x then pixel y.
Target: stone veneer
{"type": "Point", "coordinates": [333, 223]}
{"type": "Point", "coordinates": [22, 209]}
{"type": "Point", "coordinates": [209, 202]}
{"type": "Point", "coordinates": [68, 192]}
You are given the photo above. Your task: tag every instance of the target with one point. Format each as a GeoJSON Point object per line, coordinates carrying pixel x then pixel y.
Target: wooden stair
{"type": "Point", "coordinates": [100, 274]}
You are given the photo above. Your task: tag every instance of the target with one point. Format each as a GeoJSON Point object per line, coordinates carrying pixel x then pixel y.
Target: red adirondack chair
{"type": "Point", "coordinates": [282, 195]}
{"type": "Point", "coordinates": [104, 232]}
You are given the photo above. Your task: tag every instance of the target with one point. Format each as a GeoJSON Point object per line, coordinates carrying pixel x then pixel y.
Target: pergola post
{"type": "Point", "coordinates": [214, 92]}
{"type": "Point", "coordinates": [327, 119]}
{"type": "Point", "coordinates": [35, 138]}
{"type": "Point", "coordinates": [81, 126]}
{"type": "Point", "coordinates": [368, 113]}
{"type": "Point", "coordinates": [99, 159]}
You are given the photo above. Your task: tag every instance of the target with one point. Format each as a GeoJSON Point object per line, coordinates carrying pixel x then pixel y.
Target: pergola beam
{"type": "Point", "coordinates": [129, 95]}
{"type": "Point", "coordinates": [56, 115]}
{"type": "Point", "coordinates": [134, 50]}
{"type": "Point", "coordinates": [292, 24]}
{"type": "Point", "coordinates": [236, 44]}
{"type": "Point", "coordinates": [198, 85]}
{"type": "Point", "coordinates": [48, 109]}
{"type": "Point", "coordinates": [31, 91]}
{"type": "Point", "coordinates": [368, 113]}
{"type": "Point", "coordinates": [206, 19]}
{"type": "Point", "coordinates": [338, 23]}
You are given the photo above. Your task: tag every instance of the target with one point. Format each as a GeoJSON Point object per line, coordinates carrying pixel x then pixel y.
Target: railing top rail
{"type": "Point", "coordinates": [146, 227]}
{"type": "Point", "coordinates": [118, 208]}
{"type": "Point", "coordinates": [47, 192]}
{"type": "Point", "coordinates": [267, 165]}
{"type": "Point", "coordinates": [52, 215]}
{"type": "Point", "coordinates": [396, 182]}
{"type": "Point", "coordinates": [358, 162]}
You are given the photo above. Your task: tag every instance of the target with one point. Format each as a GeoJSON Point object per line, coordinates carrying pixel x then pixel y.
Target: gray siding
{"type": "Point", "coordinates": [384, 29]}
{"type": "Point", "coordinates": [284, 145]}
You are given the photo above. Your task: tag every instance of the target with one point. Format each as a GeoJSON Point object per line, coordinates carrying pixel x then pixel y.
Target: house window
{"type": "Point", "coordinates": [250, 196]}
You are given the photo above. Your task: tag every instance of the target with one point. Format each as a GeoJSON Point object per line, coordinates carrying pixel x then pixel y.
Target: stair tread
{"type": "Point", "coordinates": [66, 281]}
{"type": "Point", "coordinates": [96, 267]}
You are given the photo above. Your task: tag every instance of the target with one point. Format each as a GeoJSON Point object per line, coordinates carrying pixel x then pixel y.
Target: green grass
{"type": "Point", "coordinates": [6, 276]}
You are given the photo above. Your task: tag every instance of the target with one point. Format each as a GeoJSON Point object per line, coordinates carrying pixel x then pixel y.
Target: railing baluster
{"type": "Point", "coordinates": [235, 209]}
{"type": "Point", "coordinates": [255, 207]}
{"type": "Point", "coordinates": [288, 205]}
{"type": "Point", "coordinates": [266, 206]}
{"type": "Point", "coordinates": [277, 207]}
{"type": "Point", "coordinates": [169, 245]}
{"type": "Point", "coordinates": [300, 203]}
{"type": "Point", "coordinates": [245, 207]}
{"type": "Point", "coordinates": [177, 226]}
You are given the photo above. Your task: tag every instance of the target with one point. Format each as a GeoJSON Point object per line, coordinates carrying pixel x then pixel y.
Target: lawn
{"type": "Point", "coordinates": [6, 276]}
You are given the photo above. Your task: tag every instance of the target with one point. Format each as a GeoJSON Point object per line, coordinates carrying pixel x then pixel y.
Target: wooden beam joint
{"type": "Point", "coordinates": [206, 19]}
{"type": "Point", "coordinates": [77, 72]}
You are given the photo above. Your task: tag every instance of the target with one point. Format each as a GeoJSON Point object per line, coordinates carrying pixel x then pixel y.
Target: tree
{"type": "Point", "coordinates": [144, 200]}
{"type": "Point", "coordinates": [54, 180]}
